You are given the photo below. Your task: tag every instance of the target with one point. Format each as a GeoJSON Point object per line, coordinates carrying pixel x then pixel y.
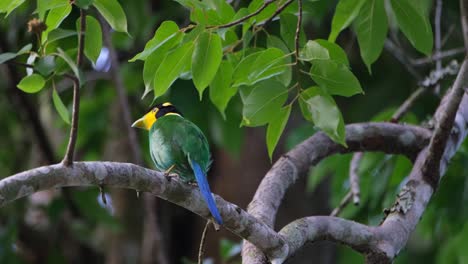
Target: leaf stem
{"type": "Point", "coordinates": [68, 158]}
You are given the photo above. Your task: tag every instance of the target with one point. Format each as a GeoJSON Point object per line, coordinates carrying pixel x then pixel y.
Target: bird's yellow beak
{"type": "Point", "coordinates": [146, 121]}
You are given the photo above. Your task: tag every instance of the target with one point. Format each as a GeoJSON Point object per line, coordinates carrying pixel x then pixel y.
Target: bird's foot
{"type": "Point", "coordinates": [193, 183]}
{"type": "Point", "coordinates": [170, 176]}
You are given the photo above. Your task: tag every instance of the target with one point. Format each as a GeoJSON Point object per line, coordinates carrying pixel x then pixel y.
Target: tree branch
{"type": "Point", "coordinates": [152, 247]}
{"type": "Point", "coordinates": [464, 23]}
{"type": "Point", "coordinates": [354, 176]}
{"type": "Point", "coordinates": [438, 56]}
{"type": "Point", "coordinates": [68, 158]}
{"type": "Point", "coordinates": [298, 30]}
{"type": "Point", "coordinates": [379, 244]}
{"type": "Point", "coordinates": [386, 137]}
{"type": "Point", "coordinates": [445, 117]}
{"type": "Point", "coordinates": [126, 175]}
{"type": "Point", "coordinates": [266, 3]}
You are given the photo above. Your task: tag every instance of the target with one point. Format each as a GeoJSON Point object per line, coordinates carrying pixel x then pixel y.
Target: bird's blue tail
{"type": "Point", "coordinates": [205, 190]}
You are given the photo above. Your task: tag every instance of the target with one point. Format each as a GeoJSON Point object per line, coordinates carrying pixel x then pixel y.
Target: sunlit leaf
{"type": "Point", "coordinates": [11, 55]}
{"type": "Point", "coordinates": [171, 67]}
{"type": "Point", "coordinates": [55, 18]}
{"type": "Point", "coordinates": [275, 129]}
{"type": "Point", "coordinates": [260, 66]}
{"type": "Point", "coordinates": [7, 6]}
{"type": "Point", "coordinates": [371, 30]}
{"type": "Point", "coordinates": [221, 91]}
{"type": "Point", "coordinates": [275, 42]}
{"type": "Point", "coordinates": [32, 83]}
{"type": "Point", "coordinates": [335, 78]}
{"type": "Point", "coordinates": [165, 37]}
{"type": "Point", "coordinates": [320, 108]}
{"type": "Point", "coordinates": [263, 102]}
{"type": "Point", "coordinates": [60, 107]}
{"type": "Point", "coordinates": [113, 13]}
{"type": "Point", "coordinates": [414, 23]}
{"type": "Point", "coordinates": [205, 60]}
{"type": "Point", "coordinates": [314, 51]}
{"type": "Point", "coordinates": [93, 39]}
{"type": "Point", "coordinates": [288, 25]}
{"type": "Point", "coordinates": [346, 11]}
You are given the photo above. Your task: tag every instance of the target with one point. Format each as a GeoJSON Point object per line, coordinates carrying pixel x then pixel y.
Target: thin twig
{"type": "Point", "coordinates": [242, 19]}
{"type": "Point", "coordinates": [438, 56]}
{"type": "Point", "coordinates": [406, 106]}
{"type": "Point", "coordinates": [464, 23]}
{"type": "Point", "coordinates": [298, 29]}
{"type": "Point", "coordinates": [354, 176]}
{"type": "Point", "coordinates": [68, 158]}
{"type": "Point", "coordinates": [277, 12]}
{"type": "Point", "coordinates": [344, 202]}
{"type": "Point", "coordinates": [437, 41]}
{"type": "Point", "coordinates": [201, 250]}
{"type": "Point", "coordinates": [402, 58]}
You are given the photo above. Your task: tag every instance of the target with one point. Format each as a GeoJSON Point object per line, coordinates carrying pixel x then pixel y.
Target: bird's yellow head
{"type": "Point", "coordinates": [160, 110]}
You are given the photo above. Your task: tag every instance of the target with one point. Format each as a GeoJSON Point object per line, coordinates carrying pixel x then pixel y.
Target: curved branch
{"type": "Point", "coordinates": [381, 244]}
{"type": "Point", "coordinates": [387, 137]}
{"type": "Point", "coordinates": [127, 175]}
{"type": "Point", "coordinates": [316, 228]}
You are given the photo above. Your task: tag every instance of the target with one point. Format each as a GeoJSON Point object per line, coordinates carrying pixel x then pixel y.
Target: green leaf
{"type": "Point", "coordinates": [32, 83]}
{"type": "Point", "coordinates": [55, 18]}
{"type": "Point", "coordinates": [70, 62]}
{"type": "Point", "coordinates": [335, 78]}
{"type": "Point", "coordinates": [149, 70]}
{"type": "Point", "coordinates": [113, 13]}
{"type": "Point", "coordinates": [414, 23]}
{"type": "Point", "coordinates": [171, 67]}
{"type": "Point", "coordinates": [93, 39]}
{"type": "Point", "coordinates": [263, 102]}
{"type": "Point", "coordinates": [45, 65]}
{"type": "Point", "coordinates": [314, 51]}
{"type": "Point", "coordinates": [275, 129]}
{"type": "Point", "coordinates": [336, 53]}
{"type": "Point", "coordinates": [44, 5]}
{"type": "Point", "coordinates": [11, 55]}
{"type": "Point", "coordinates": [7, 6]}
{"type": "Point", "coordinates": [59, 33]}
{"type": "Point", "coordinates": [320, 108]}
{"type": "Point", "coordinates": [205, 60]}
{"type": "Point", "coordinates": [165, 37]}
{"type": "Point", "coordinates": [260, 66]}
{"type": "Point", "coordinates": [60, 107]}
{"type": "Point", "coordinates": [221, 91]}
{"type": "Point", "coordinates": [288, 25]}
{"type": "Point", "coordinates": [275, 42]}
{"type": "Point", "coordinates": [229, 249]}
{"type": "Point", "coordinates": [84, 4]}
{"type": "Point", "coordinates": [371, 29]}
{"type": "Point", "coordinates": [346, 11]}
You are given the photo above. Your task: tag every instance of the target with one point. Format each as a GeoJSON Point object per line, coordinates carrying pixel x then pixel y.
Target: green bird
{"type": "Point", "coordinates": [178, 145]}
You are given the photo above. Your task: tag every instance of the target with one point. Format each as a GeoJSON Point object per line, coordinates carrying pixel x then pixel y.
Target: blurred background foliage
{"type": "Point", "coordinates": [75, 226]}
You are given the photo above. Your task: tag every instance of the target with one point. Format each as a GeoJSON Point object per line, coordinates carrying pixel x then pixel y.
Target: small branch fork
{"type": "Point", "coordinates": [68, 158]}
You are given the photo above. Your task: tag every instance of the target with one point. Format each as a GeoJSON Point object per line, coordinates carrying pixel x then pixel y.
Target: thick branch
{"type": "Point", "coordinates": [316, 228]}
{"type": "Point", "coordinates": [464, 23]}
{"type": "Point", "coordinates": [354, 176]}
{"type": "Point", "coordinates": [445, 117]}
{"type": "Point", "coordinates": [126, 175]}
{"type": "Point", "coordinates": [379, 244]}
{"type": "Point", "coordinates": [386, 137]}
